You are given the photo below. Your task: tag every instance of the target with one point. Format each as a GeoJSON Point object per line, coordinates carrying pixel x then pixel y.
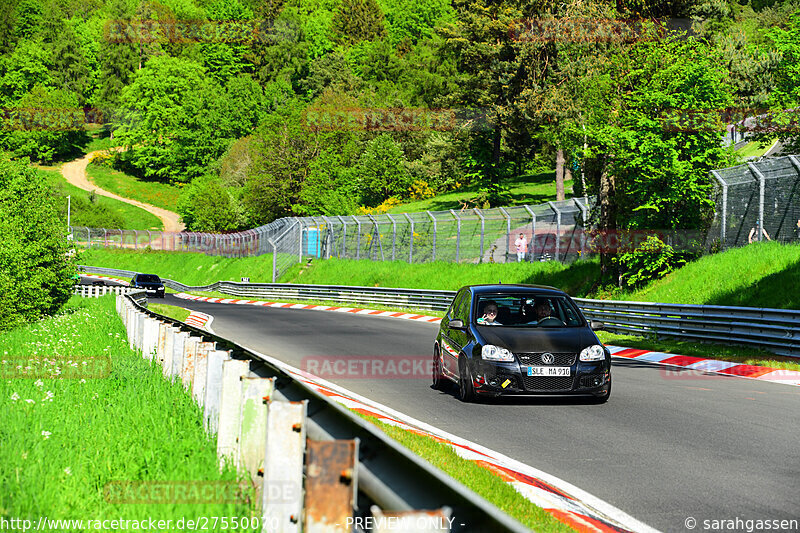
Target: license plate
{"type": "Point", "coordinates": [549, 371]}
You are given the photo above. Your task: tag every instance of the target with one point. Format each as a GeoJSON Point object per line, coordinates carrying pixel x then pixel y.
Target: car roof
{"type": "Point", "coordinates": [501, 287]}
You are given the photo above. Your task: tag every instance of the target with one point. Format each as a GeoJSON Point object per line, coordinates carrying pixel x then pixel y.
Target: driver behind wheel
{"type": "Point", "coordinates": [544, 314]}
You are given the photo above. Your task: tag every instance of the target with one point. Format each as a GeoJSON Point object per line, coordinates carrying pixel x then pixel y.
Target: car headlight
{"type": "Point", "coordinates": [593, 353]}
{"type": "Point", "coordinates": [490, 352]}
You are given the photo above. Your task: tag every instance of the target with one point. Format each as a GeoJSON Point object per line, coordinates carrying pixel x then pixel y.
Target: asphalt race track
{"type": "Point", "coordinates": [668, 445]}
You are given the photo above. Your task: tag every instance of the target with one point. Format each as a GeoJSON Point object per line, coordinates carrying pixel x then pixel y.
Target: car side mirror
{"type": "Point", "coordinates": [457, 323]}
{"type": "Point", "coordinates": [596, 325]}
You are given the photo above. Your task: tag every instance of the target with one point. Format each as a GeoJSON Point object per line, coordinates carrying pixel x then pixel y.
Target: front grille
{"type": "Point", "coordinates": [535, 359]}
{"type": "Point", "coordinates": [587, 381]}
{"type": "Point", "coordinates": [542, 383]}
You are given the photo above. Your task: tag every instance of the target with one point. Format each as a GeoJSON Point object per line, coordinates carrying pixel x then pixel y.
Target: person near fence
{"type": "Point", "coordinates": [522, 247]}
{"type": "Point", "coordinates": [753, 236]}
{"type": "Point", "coordinates": [797, 230]}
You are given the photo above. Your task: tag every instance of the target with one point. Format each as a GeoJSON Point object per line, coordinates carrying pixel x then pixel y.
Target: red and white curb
{"type": "Point", "coordinates": [104, 278]}
{"type": "Point", "coordinates": [200, 320]}
{"type": "Point", "coordinates": [285, 305]}
{"type": "Point", "coordinates": [711, 366]}
{"type": "Point", "coordinates": [566, 502]}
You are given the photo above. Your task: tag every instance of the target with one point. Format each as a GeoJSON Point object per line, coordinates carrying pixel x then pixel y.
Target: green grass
{"type": "Point", "coordinates": [65, 440]}
{"type": "Point", "coordinates": [187, 268]}
{"type": "Point", "coordinates": [533, 189]}
{"type": "Point", "coordinates": [479, 479]}
{"type": "Point", "coordinates": [98, 211]}
{"type": "Point", "coordinates": [762, 274]}
{"type": "Point", "coordinates": [740, 354]}
{"type": "Point", "coordinates": [98, 139]}
{"type": "Point", "coordinates": [150, 192]}
{"type": "Point", "coordinates": [171, 311]}
{"type": "Point", "coordinates": [575, 278]}
{"type": "Point", "coordinates": [755, 149]}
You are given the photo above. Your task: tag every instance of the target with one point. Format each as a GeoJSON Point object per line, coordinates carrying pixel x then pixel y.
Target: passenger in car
{"type": "Point", "coordinates": [489, 317]}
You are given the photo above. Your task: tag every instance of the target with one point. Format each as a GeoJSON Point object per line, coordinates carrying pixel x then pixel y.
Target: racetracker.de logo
{"type": "Point", "coordinates": [369, 366]}
{"type": "Point", "coordinates": [172, 492]}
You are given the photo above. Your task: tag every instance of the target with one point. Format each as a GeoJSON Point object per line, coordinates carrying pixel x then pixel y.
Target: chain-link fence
{"type": "Point", "coordinates": [757, 201]}
{"type": "Point", "coordinates": [552, 231]}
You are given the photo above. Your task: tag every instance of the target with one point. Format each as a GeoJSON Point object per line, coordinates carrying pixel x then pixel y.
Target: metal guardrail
{"type": "Point", "coordinates": [335, 464]}
{"type": "Point", "coordinates": [96, 291]}
{"type": "Point", "coordinates": [776, 330]}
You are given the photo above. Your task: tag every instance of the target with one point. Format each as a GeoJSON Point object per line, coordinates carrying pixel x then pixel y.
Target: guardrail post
{"type": "Point", "coordinates": [433, 253]}
{"type": "Point", "coordinates": [213, 389]}
{"type": "Point", "coordinates": [175, 364]}
{"type": "Point", "coordinates": [161, 343]}
{"type": "Point", "coordinates": [150, 342]}
{"type": "Point", "coordinates": [230, 405]}
{"type": "Point", "coordinates": [508, 231]}
{"type": "Point", "coordinates": [331, 485]}
{"type": "Point", "coordinates": [411, 239]}
{"type": "Point", "coordinates": [189, 355]}
{"type": "Point", "coordinates": [483, 224]}
{"type": "Point", "coordinates": [283, 466]}
{"type": "Point", "coordinates": [256, 394]}
{"type": "Point", "coordinates": [394, 234]}
{"type": "Point", "coordinates": [458, 234]}
{"type": "Point", "coordinates": [169, 347]}
{"type": "Point", "coordinates": [200, 372]}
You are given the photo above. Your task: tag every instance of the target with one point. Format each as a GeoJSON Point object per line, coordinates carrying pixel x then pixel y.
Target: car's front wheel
{"type": "Point", "coordinates": [466, 392]}
{"type": "Point", "coordinates": [438, 378]}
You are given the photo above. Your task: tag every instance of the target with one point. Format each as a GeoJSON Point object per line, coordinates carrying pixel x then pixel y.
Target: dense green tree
{"type": "Point", "coordinates": [331, 187]}
{"type": "Point", "coordinates": [208, 205]}
{"type": "Point", "coordinates": [70, 70]}
{"type": "Point", "coordinates": [785, 98]}
{"type": "Point", "coordinates": [35, 267]}
{"type": "Point", "coordinates": [358, 20]}
{"type": "Point", "coordinates": [44, 125]}
{"type": "Point", "coordinates": [382, 171]}
{"type": "Point", "coordinates": [26, 67]}
{"type": "Point", "coordinates": [119, 59]}
{"type": "Point", "coordinates": [227, 58]}
{"type": "Point", "coordinates": [165, 123]}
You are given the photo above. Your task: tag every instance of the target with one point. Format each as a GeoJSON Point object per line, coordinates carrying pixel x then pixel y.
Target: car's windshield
{"type": "Point", "coordinates": [525, 310]}
{"type": "Point", "coordinates": [148, 278]}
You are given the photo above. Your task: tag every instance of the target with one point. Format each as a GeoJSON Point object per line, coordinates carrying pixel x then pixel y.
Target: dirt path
{"type": "Point", "coordinates": [75, 173]}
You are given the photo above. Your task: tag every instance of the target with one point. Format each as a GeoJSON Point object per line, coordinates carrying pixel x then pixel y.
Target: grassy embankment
{"type": "Point", "coordinates": [65, 439]}
{"type": "Point", "coordinates": [97, 211]}
{"type": "Point", "coordinates": [531, 190]}
{"type": "Point", "coordinates": [171, 311]}
{"type": "Point", "coordinates": [154, 193]}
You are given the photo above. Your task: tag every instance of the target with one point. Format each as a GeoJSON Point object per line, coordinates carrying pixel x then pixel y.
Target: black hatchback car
{"type": "Point", "coordinates": [519, 339]}
{"type": "Point", "coordinates": [149, 282]}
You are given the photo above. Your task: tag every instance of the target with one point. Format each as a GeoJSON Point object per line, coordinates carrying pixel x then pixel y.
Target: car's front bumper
{"type": "Point", "coordinates": [512, 378]}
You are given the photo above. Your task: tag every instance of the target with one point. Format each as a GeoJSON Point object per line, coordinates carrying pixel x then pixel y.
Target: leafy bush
{"type": "Point", "coordinates": [35, 263]}
{"type": "Point", "coordinates": [651, 260]}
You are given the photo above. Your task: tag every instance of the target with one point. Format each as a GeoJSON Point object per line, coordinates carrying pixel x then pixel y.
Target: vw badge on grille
{"type": "Point", "coordinates": [548, 359]}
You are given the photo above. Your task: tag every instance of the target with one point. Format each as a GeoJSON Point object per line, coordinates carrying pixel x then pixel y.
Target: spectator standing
{"type": "Point", "coordinates": [522, 246]}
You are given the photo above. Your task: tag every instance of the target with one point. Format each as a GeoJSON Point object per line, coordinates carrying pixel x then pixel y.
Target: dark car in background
{"type": "Point", "coordinates": [519, 339]}
{"type": "Point", "coordinates": [149, 282]}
